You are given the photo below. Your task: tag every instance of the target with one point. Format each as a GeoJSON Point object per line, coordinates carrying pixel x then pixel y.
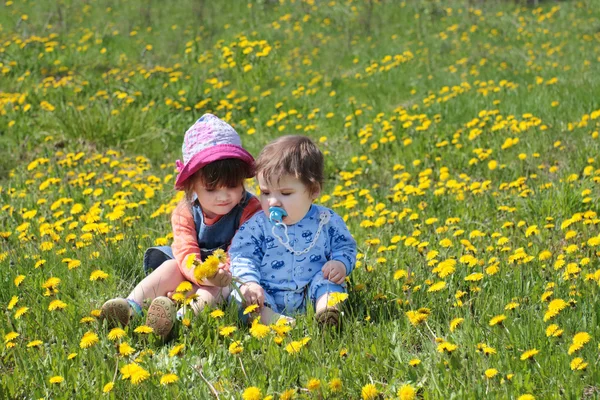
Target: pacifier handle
{"type": "Point", "coordinates": [276, 214]}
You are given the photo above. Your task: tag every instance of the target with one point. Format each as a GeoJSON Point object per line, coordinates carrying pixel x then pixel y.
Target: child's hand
{"type": "Point", "coordinates": [335, 271]}
{"type": "Point", "coordinates": [253, 294]}
{"type": "Point", "coordinates": [221, 279]}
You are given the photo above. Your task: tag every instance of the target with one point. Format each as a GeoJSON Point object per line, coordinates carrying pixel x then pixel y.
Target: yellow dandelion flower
{"type": "Point", "coordinates": [184, 287]}
{"type": "Point", "coordinates": [529, 354]}
{"type": "Point", "coordinates": [227, 330]}
{"type": "Point", "coordinates": [474, 277]}
{"type": "Point", "coordinates": [554, 308]}
{"type": "Point", "coordinates": [436, 287]}
{"type": "Point", "coordinates": [35, 343]}
{"type": "Point", "coordinates": [108, 387]}
{"type": "Point", "coordinates": [446, 347]}
{"type": "Point", "coordinates": [57, 379]}
{"type": "Point", "coordinates": [51, 283]}
{"type": "Point", "coordinates": [20, 312]}
{"type": "Point", "coordinates": [289, 394]}
{"type": "Point", "coordinates": [407, 392]}
{"type": "Point", "coordinates": [335, 385]}
{"type": "Point", "coordinates": [577, 364]}
{"type": "Point", "coordinates": [12, 303]}
{"type": "Point", "coordinates": [414, 362]}
{"type": "Point", "coordinates": [259, 330]}
{"type": "Point", "coordinates": [416, 317]}
{"type": "Point", "coordinates": [236, 347]}
{"type": "Point", "coordinates": [295, 346]}
{"type": "Point", "coordinates": [71, 356]}
{"type": "Point", "coordinates": [526, 397]}
{"type": "Point", "coordinates": [207, 269]}
{"type": "Point", "coordinates": [313, 384]}
{"type": "Point", "coordinates": [220, 255]}
{"type": "Point", "coordinates": [497, 320]}
{"type": "Point", "coordinates": [369, 392]}
{"type": "Point", "coordinates": [56, 305]}
{"type": "Point", "coordinates": [176, 350]}
{"type": "Point", "coordinates": [125, 349]}
{"type": "Point", "coordinates": [554, 330]}
{"type": "Point", "coordinates": [250, 308]}
{"type": "Point", "coordinates": [98, 275]}
{"type": "Point", "coordinates": [335, 298]}
{"type": "Point", "coordinates": [139, 375]}
{"type": "Point", "coordinates": [88, 340]}
{"type": "Point", "coordinates": [252, 393]}
{"type": "Point", "coordinates": [491, 372]}
{"type": "Point", "coordinates": [446, 243]}
{"type": "Point", "coordinates": [217, 314]}
{"type": "Point", "coordinates": [178, 297]}
{"type": "Point", "coordinates": [19, 279]}
{"type": "Point", "coordinates": [167, 379]}
{"type": "Point", "coordinates": [116, 333]}
{"type": "Point", "coordinates": [11, 336]}
{"type": "Point", "coordinates": [144, 329]}
{"type": "Point", "coordinates": [190, 261]}
{"type": "Point", "coordinates": [579, 340]}
{"type": "Point", "coordinates": [455, 323]}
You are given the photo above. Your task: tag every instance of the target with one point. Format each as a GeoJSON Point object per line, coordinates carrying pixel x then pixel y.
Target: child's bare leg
{"type": "Point", "coordinates": [268, 317]}
{"type": "Point", "coordinates": [162, 280]}
{"type": "Point", "coordinates": [326, 315]}
{"type": "Point", "coordinates": [209, 296]}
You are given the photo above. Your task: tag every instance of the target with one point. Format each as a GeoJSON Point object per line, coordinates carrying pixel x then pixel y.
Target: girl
{"type": "Point", "coordinates": [215, 205]}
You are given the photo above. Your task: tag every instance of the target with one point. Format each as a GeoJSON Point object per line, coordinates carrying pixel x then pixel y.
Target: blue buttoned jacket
{"type": "Point", "coordinates": [257, 255]}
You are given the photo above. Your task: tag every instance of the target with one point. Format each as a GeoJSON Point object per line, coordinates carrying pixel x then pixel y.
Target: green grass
{"type": "Point", "coordinates": [411, 101]}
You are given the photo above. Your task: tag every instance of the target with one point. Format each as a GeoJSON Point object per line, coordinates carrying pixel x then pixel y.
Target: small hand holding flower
{"type": "Point", "coordinates": [335, 271]}
{"type": "Point", "coordinates": [253, 293]}
{"type": "Point", "coordinates": [221, 279]}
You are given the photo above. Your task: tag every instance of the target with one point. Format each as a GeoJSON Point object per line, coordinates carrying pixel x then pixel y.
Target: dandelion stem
{"type": "Point", "coordinates": [243, 369]}
{"type": "Point", "coordinates": [198, 368]}
{"type": "Point", "coordinates": [116, 367]}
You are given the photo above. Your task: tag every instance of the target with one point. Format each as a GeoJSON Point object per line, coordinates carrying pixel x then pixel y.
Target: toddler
{"type": "Point", "coordinates": [212, 175]}
{"type": "Point", "coordinates": [292, 250]}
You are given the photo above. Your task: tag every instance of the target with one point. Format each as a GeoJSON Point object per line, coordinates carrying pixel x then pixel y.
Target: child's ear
{"type": "Point", "coordinates": [315, 194]}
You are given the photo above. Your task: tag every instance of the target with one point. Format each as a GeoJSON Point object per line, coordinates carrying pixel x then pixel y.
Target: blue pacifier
{"type": "Point", "coordinates": [276, 214]}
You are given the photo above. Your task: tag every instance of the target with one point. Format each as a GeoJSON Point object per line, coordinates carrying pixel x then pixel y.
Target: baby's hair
{"type": "Point", "coordinates": [294, 155]}
{"type": "Point", "coordinates": [230, 172]}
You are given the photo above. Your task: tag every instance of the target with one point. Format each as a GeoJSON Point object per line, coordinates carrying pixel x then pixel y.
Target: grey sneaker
{"type": "Point", "coordinates": [117, 311]}
{"type": "Point", "coordinates": [161, 316]}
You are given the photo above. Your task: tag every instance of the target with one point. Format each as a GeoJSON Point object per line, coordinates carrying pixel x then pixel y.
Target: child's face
{"type": "Point", "coordinates": [218, 201]}
{"type": "Point", "coordinates": [290, 194]}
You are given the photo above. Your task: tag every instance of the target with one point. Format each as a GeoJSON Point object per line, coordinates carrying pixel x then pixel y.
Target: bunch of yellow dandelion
{"type": "Point", "coordinates": [207, 268]}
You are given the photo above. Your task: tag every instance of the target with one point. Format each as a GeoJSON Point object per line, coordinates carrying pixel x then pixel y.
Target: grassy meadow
{"type": "Point", "coordinates": [462, 148]}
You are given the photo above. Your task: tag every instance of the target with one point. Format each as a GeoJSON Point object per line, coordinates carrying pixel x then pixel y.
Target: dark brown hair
{"type": "Point", "coordinates": [229, 172]}
{"type": "Point", "coordinates": [294, 155]}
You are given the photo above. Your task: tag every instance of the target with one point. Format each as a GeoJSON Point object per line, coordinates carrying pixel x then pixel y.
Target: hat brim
{"type": "Point", "coordinates": [209, 155]}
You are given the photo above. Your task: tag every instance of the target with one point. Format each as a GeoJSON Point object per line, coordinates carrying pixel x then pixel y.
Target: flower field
{"type": "Point", "coordinates": [462, 149]}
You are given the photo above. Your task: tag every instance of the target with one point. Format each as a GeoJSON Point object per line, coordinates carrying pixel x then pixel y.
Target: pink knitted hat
{"type": "Point", "coordinates": [210, 139]}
